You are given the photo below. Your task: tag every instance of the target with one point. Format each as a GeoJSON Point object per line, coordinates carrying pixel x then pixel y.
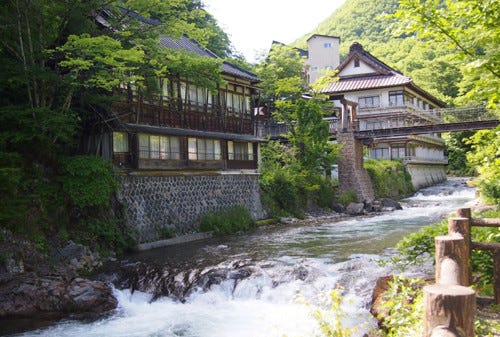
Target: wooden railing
{"type": "Point", "coordinates": [449, 305]}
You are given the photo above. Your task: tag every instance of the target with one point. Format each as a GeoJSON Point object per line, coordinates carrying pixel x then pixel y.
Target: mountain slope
{"type": "Point", "coordinates": [367, 22]}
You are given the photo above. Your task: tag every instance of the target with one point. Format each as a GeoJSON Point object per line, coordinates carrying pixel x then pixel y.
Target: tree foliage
{"type": "Point", "coordinates": [470, 27]}
{"type": "Point", "coordinates": [293, 174]}
{"type": "Point", "coordinates": [61, 61]}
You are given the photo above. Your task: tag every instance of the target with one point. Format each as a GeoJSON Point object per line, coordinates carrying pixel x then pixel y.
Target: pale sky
{"type": "Point", "coordinates": [252, 25]}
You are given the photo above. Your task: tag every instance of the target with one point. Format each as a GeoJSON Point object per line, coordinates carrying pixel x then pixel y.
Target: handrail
{"type": "Point", "coordinates": [450, 296]}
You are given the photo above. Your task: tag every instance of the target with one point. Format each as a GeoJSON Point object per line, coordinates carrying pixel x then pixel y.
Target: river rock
{"type": "Point", "coordinates": [80, 257]}
{"type": "Point", "coordinates": [389, 204]}
{"type": "Point", "coordinates": [355, 208]}
{"type": "Point", "coordinates": [28, 294]}
{"type": "Point", "coordinates": [381, 287]}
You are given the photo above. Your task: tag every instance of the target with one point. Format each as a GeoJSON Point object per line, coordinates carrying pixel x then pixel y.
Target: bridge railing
{"type": "Point", "coordinates": [449, 305]}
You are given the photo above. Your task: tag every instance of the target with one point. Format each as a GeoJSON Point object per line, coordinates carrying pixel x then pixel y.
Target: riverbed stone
{"type": "Point", "coordinates": [355, 208]}
{"type": "Point", "coordinates": [28, 294]}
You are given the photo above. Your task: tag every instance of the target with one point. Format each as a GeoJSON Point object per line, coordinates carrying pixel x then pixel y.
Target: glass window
{"type": "Point", "coordinates": [159, 147]}
{"type": "Point", "coordinates": [396, 98]}
{"type": "Point", "coordinates": [327, 45]}
{"type": "Point", "coordinates": [120, 142]}
{"type": "Point", "coordinates": [356, 63]}
{"type": "Point", "coordinates": [240, 151]}
{"type": "Point", "coordinates": [204, 149]}
{"type": "Point", "coordinates": [398, 152]}
{"type": "Point", "coordinates": [369, 102]}
{"type": "Point", "coordinates": [379, 153]}
{"type": "Point", "coordinates": [143, 146]}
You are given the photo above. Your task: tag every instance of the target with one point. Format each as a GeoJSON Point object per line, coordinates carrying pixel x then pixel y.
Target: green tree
{"type": "Point", "coordinates": [471, 28]}
{"type": "Point", "coordinates": [293, 174]}
{"type": "Point", "coordinates": [61, 62]}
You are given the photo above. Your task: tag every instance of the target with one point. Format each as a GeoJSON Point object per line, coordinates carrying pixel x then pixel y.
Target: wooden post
{"type": "Point", "coordinates": [451, 260]}
{"type": "Point", "coordinates": [496, 275]}
{"type": "Point", "coordinates": [449, 311]}
{"type": "Point", "coordinates": [462, 226]}
{"type": "Point", "coordinates": [464, 213]}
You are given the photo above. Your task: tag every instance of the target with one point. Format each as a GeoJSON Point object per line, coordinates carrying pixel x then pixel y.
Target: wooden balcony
{"type": "Point", "coordinates": [190, 116]}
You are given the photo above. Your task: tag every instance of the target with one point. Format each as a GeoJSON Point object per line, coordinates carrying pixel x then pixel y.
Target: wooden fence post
{"type": "Point", "coordinates": [449, 311]}
{"type": "Point", "coordinates": [451, 260]}
{"type": "Point", "coordinates": [496, 275]}
{"type": "Point", "coordinates": [462, 226]}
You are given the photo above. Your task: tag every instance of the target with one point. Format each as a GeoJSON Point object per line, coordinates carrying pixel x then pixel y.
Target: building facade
{"type": "Point", "coordinates": [184, 151]}
{"type": "Point", "coordinates": [384, 98]}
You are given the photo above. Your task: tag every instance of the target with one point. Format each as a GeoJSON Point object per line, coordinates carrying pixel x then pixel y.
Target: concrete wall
{"type": "Point", "coordinates": [426, 175]}
{"type": "Point", "coordinates": [156, 202]}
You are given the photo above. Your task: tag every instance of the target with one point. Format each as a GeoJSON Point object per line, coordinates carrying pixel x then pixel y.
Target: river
{"type": "Point", "coordinates": [274, 277]}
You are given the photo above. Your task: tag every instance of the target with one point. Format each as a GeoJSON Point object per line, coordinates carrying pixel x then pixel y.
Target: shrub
{"type": "Point", "coordinates": [382, 172]}
{"type": "Point", "coordinates": [227, 221]}
{"type": "Point", "coordinates": [347, 197]}
{"type": "Point", "coordinates": [415, 248]}
{"type": "Point", "coordinates": [87, 180]}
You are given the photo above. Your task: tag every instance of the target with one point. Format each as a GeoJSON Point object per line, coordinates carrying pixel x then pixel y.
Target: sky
{"type": "Point", "coordinates": [252, 25]}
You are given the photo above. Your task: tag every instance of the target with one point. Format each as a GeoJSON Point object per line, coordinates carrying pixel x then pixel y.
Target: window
{"type": "Point", "coordinates": [240, 151]}
{"type": "Point", "coordinates": [204, 149]}
{"type": "Point", "coordinates": [396, 98]}
{"type": "Point", "coordinates": [159, 147]}
{"type": "Point", "coordinates": [120, 142]}
{"type": "Point", "coordinates": [379, 153]}
{"type": "Point", "coordinates": [356, 63]}
{"type": "Point", "coordinates": [369, 102]}
{"type": "Point", "coordinates": [398, 152]}
{"type": "Point", "coordinates": [327, 45]}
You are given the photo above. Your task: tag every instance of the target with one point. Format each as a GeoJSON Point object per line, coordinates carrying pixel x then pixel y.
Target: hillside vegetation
{"type": "Point", "coordinates": [450, 50]}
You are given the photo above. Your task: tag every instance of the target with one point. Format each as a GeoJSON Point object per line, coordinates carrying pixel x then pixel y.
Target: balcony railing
{"type": "Point", "coordinates": [194, 117]}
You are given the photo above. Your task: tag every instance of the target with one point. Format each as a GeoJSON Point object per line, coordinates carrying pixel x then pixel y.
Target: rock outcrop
{"type": "Point", "coordinates": [33, 284]}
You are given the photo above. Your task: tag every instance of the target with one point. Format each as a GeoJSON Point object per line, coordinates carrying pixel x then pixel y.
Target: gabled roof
{"type": "Point", "coordinates": [382, 76]}
{"type": "Point", "coordinates": [183, 43]}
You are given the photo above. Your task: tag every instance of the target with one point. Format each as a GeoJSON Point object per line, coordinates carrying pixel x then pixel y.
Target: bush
{"type": "Point", "coordinates": [227, 221]}
{"type": "Point", "coordinates": [416, 248]}
{"type": "Point", "coordinates": [347, 197]}
{"type": "Point", "coordinates": [382, 172]}
{"type": "Point", "coordinates": [87, 180]}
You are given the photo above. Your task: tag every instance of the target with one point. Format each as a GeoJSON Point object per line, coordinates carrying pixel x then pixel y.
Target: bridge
{"type": "Point", "coordinates": [355, 130]}
{"type": "Point", "coordinates": [435, 121]}
{"type": "Point", "coordinates": [412, 122]}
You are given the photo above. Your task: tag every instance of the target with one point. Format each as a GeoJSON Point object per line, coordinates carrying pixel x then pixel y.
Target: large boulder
{"type": "Point", "coordinates": [28, 295]}
{"type": "Point", "coordinates": [355, 208]}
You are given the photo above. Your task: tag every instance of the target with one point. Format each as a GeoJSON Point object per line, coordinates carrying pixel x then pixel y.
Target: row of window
{"type": "Point", "coordinates": [234, 98]}
{"type": "Point", "coordinates": [169, 147]}
{"type": "Point", "coordinates": [396, 98]}
{"type": "Point", "coordinates": [388, 153]}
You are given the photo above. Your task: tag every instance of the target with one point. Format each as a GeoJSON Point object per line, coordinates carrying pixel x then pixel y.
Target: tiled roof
{"type": "Point", "coordinates": [185, 43]}
{"type": "Point", "coordinates": [366, 82]}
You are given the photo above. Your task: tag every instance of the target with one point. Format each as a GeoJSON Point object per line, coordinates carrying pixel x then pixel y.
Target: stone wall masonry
{"type": "Point", "coordinates": [159, 203]}
{"type": "Point", "coordinates": [352, 175]}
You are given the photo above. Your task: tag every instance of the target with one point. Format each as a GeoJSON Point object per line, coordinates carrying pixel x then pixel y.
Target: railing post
{"type": "Point", "coordinates": [496, 275]}
{"type": "Point", "coordinates": [451, 261]}
{"type": "Point", "coordinates": [462, 227]}
{"type": "Point", "coordinates": [449, 311]}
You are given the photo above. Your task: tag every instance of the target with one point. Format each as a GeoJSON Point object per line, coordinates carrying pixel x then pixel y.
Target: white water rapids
{"type": "Point", "coordinates": [294, 265]}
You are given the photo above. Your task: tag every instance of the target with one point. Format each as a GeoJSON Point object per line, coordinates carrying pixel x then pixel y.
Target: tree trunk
{"type": "Point", "coordinates": [449, 311]}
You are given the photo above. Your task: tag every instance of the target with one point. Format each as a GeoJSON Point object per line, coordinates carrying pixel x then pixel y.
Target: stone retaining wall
{"type": "Point", "coordinates": [158, 204]}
